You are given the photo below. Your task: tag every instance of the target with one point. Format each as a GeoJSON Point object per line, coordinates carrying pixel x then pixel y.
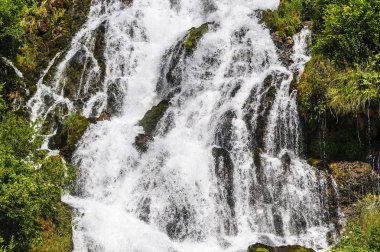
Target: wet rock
{"type": "Point", "coordinates": [267, 95]}
{"type": "Point", "coordinates": [54, 118]}
{"type": "Point", "coordinates": [153, 116]}
{"type": "Point", "coordinates": [142, 142]}
{"type": "Point", "coordinates": [115, 98]}
{"type": "Point", "coordinates": [278, 223]}
{"type": "Point", "coordinates": [286, 160]}
{"type": "Point", "coordinates": [104, 116]}
{"type": "Point", "coordinates": [195, 34]}
{"type": "Point", "coordinates": [173, 65]}
{"type": "Point", "coordinates": [355, 180]}
{"type": "Point", "coordinates": [171, 72]}
{"type": "Point", "coordinates": [149, 124]}
{"type": "Point", "coordinates": [223, 134]}
{"type": "Point", "coordinates": [298, 223]}
{"type": "Point", "coordinates": [177, 227]}
{"type": "Point", "coordinates": [258, 247]}
{"type": "Point", "coordinates": [284, 48]}
{"type": "Point", "coordinates": [224, 170]}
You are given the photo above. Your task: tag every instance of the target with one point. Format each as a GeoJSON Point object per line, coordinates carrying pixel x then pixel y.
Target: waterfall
{"type": "Point", "coordinates": [222, 169]}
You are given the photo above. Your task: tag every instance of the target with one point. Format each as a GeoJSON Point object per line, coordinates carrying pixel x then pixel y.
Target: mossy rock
{"type": "Point", "coordinates": [69, 134]}
{"type": "Point", "coordinates": [49, 29]}
{"type": "Point", "coordinates": [195, 35]}
{"type": "Point", "coordinates": [315, 162]}
{"type": "Point", "coordinates": [153, 116]}
{"type": "Point", "coordinates": [258, 247]}
{"type": "Point", "coordinates": [149, 124]}
{"type": "Point", "coordinates": [224, 171]}
{"type": "Point", "coordinates": [355, 180]}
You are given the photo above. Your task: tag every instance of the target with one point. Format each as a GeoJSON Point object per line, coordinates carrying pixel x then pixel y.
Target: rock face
{"type": "Point", "coordinates": [258, 247]}
{"type": "Point", "coordinates": [355, 180]}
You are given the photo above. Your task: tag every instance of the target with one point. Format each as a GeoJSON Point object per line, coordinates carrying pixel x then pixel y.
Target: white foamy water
{"type": "Point", "coordinates": [223, 170]}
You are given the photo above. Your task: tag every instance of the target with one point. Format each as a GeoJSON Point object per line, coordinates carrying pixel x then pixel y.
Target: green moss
{"type": "Point", "coordinates": [69, 134]}
{"type": "Point", "coordinates": [195, 35]}
{"type": "Point", "coordinates": [313, 88]}
{"type": "Point", "coordinates": [153, 116]}
{"type": "Point", "coordinates": [317, 163]}
{"type": "Point", "coordinates": [74, 127]}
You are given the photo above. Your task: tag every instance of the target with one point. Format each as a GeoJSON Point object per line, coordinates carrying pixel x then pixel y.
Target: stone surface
{"type": "Point", "coordinates": [355, 180]}
{"type": "Point", "coordinates": [258, 247]}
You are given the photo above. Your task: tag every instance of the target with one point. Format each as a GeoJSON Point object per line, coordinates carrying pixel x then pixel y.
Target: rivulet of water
{"type": "Point", "coordinates": [222, 169]}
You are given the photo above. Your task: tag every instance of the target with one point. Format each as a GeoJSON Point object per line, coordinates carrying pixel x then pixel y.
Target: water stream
{"type": "Point", "coordinates": [223, 169]}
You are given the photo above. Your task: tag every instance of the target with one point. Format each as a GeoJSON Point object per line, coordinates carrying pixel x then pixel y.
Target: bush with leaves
{"type": "Point", "coordinates": [351, 31]}
{"type": "Point", "coordinates": [31, 183]}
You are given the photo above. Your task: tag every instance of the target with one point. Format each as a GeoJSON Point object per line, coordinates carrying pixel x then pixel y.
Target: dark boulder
{"type": "Point", "coordinates": [258, 247]}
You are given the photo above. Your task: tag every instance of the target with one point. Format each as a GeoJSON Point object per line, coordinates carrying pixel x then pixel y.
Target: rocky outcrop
{"type": "Point", "coordinates": [173, 65]}
{"type": "Point", "coordinates": [355, 180]}
{"type": "Point", "coordinates": [258, 247]}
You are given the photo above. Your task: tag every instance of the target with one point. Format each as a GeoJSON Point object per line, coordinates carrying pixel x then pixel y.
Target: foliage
{"type": "Point", "coordinates": [11, 13]}
{"type": "Point", "coordinates": [350, 32]}
{"type": "Point", "coordinates": [287, 19]}
{"type": "Point", "coordinates": [362, 234]}
{"type": "Point", "coordinates": [313, 87]}
{"type": "Point", "coordinates": [31, 183]}
{"type": "Point", "coordinates": [353, 90]}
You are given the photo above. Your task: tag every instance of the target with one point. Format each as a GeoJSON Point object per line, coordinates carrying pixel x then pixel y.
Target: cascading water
{"type": "Point", "coordinates": [222, 168]}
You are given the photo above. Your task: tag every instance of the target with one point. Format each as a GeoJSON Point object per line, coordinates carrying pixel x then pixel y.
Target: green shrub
{"type": "Point", "coordinates": [350, 32]}
{"type": "Point", "coordinates": [31, 183]}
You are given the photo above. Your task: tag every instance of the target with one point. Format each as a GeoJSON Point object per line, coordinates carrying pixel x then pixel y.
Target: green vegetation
{"type": "Point", "coordinates": [287, 19]}
{"type": "Point", "coordinates": [351, 32]}
{"type": "Point", "coordinates": [69, 134]}
{"type": "Point", "coordinates": [344, 74]}
{"type": "Point", "coordinates": [195, 35]}
{"type": "Point", "coordinates": [33, 31]}
{"type": "Point", "coordinates": [31, 183]}
{"type": "Point", "coordinates": [74, 127]}
{"type": "Point", "coordinates": [362, 234]}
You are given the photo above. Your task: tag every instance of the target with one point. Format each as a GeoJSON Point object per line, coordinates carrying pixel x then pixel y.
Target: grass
{"type": "Point", "coordinates": [362, 234]}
